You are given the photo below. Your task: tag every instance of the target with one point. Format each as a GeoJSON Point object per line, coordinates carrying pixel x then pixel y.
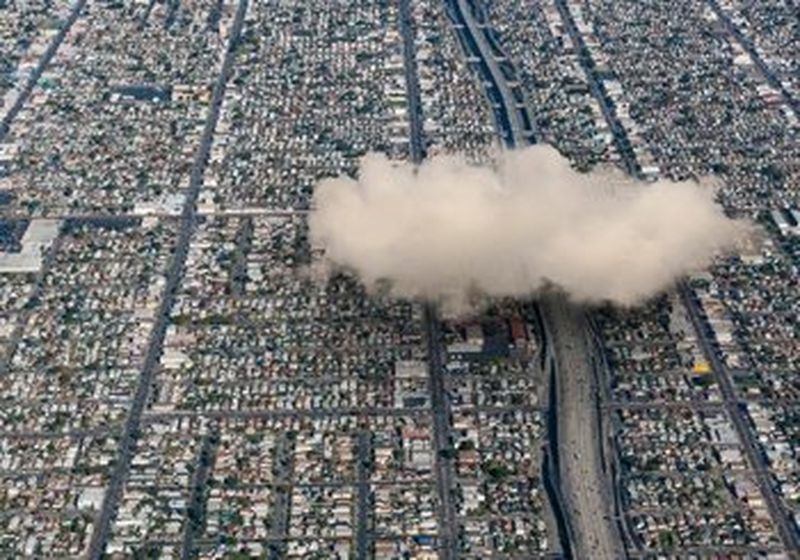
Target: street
{"type": "Point", "coordinates": [583, 484]}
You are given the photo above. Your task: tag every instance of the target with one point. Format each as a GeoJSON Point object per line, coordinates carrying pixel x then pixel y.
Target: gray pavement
{"type": "Point", "coordinates": [445, 473]}
{"type": "Point", "coordinates": [194, 522]}
{"type": "Point", "coordinates": [43, 63]}
{"type": "Point", "coordinates": [585, 484]}
{"type": "Point", "coordinates": [747, 44]}
{"type": "Point", "coordinates": [282, 472]}
{"type": "Point", "coordinates": [189, 218]}
{"type": "Point", "coordinates": [416, 140]}
{"type": "Point", "coordinates": [786, 530]}
{"type": "Point", "coordinates": [595, 86]}
{"type": "Point", "coordinates": [363, 529]}
{"type": "Point", "coordinates": [517, 127]}
{"type": "Point", "coordinates": [584, 487]}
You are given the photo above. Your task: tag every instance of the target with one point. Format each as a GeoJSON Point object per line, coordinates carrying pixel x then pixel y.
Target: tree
{"type": "Point", "coordinates": [496, 470]}
{"type": "Point", "coordinates": [448, 453]}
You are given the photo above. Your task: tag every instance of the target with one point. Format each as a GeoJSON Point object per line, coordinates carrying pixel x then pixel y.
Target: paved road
{"type": "Point", "coordinates": [524, 116]}
{"type": "Point", "coordinates": [445, 474]}
{"type": "Point", "coordinates": [12, 113]}
{"type": "Point", "coordinates": [196, 510]}
{"type": "Point", "coordinates": [100, 218]}
{"type": "Point", "coordinates": [732, 551]}
{"type": "Point", "coordinates": [189, 217]}
{"type": "Point", "coordinates": [416, 134]}
{"type": "Point", "coordinates": [238, 274]}
{"type": "Point", "coordinates": [499, 103]}
{"type": "Point", "coordinates": [324, 413]}
{"type": "Point", "coordinates": [584, 486]}
{"type": "Point", "coordinates": [786, 531]}
{"type": "Point", "coordinates": [464, 10]}
{"type": "Point", "coordinates": [146, 15]}
{"type": "Point", "coordinates": [595, 86]}
{"type": "Point", "coordinates": [363, 529]}
{"type": "Point", "coordinates": [608, 425]}
{"type": "Point", "coordinates": [747, 44]}
{"type": "Point", "coordinates": [658, 404]}
{"type": "Point", "coordinates": [584, 481]}
{"type": "Point", "coordinates": [12, 343]}
{"type": "Point", "coordinates": [281, 506]}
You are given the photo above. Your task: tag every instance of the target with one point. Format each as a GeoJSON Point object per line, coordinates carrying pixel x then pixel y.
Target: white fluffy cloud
{"type": "Point", "coordinates": [447, 228]}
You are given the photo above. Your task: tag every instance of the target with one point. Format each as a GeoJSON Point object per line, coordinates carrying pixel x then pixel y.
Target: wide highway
{"type": "Point", "coordinates": [585, 488]}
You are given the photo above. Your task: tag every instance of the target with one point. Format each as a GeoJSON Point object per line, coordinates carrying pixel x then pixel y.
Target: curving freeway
{"type": "Point", "coordinates": [494, 70]}
{"type": "Point", "coordinates": [583, 485]}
